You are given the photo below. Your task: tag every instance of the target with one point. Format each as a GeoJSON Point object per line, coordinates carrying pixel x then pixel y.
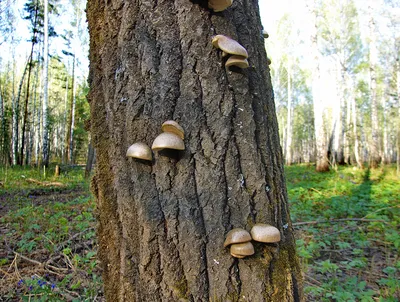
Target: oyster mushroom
{"type": "Point", "coordinates": [241, 250]}
{"type": "Point", "coordinates": [237, 235]}
{"type": "Point", "coordinates": [168, 140]}
{"type": "Point", "coordinates": [238, 61]}
{"type": "Point", "coordinates": [265, 233]}
{"type": "Point", "coordinates": [140, 150]}
{"type": "Point", "coordinates": [173, 127]}
{"type": "Point", "coordinates": [219, 5]}
{"type": "Point", "coordinates": [229, 46]}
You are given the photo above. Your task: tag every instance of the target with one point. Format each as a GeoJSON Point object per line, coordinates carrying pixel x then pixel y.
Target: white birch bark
{"type": "Point", "coordinates": [45, 144]}
{"type": "Point", "coordinates": [373, 59]}
{"type": "Point", "coordinates": [289, 154]}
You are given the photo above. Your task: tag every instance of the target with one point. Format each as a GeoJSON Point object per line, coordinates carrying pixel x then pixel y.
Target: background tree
{"type": "Point", "coordinates": [162, 225]}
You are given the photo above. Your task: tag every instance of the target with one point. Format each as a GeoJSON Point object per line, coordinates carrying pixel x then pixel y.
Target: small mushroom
{"type": "Point", "coordinates": [265, 34]}
{"type": "Point", "coordinates": [173, 127]}
{"type": "Point", "coordinates": [219, 5]}
{"type": "Point", "coordinates": [238, 61]}
{"type": "Point", "coordinates": [241, 250]}
{"type": "Point", "coordinates": [140, 150]}
{"type": "Point", "coordinates": [168, 140]}
{"type": "Point", "coordinates": [265, 233]}
{"type": "Point", "coordinates": [229, 46]}
{"type": "Point", "coordinates": [237, 235]}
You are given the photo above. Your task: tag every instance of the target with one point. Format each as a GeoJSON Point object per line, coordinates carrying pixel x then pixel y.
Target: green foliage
{"type": "Point", "coordinates": [347, 260]}
{"type": "Point", "coordinates": [54, 226]}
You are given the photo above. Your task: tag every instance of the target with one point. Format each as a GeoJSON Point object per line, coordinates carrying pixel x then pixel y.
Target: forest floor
{"type": "Point", "coordinates": [347, 226]}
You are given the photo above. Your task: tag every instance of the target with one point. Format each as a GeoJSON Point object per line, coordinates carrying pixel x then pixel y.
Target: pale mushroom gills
{"type": "Point", "coordinates": [238, 54]}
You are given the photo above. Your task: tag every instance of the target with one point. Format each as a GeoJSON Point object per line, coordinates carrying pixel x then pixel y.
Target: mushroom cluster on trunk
{"type": "Point", "coordinates": [240, 240]}
{"type": "Point", "coordinates": [238, 54]}
{"type": "Point", "coordinates": [171, 138]}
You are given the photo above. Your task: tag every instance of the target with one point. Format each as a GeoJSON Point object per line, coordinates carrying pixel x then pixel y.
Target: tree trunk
{"type": "Point", "coordinates": [45, 145]}
{"type": "Point", "coordinates": [373, 61]}
{"type": "Point", "coordinates": [15, 126]}
{"type": "Point", "coordinates": [356, 140]}
{"type": "Point", "coordinates": [162, 225]}
{"type": "Point", "coordinates": [289, 155]}
{"type": "Point", "coordinates": [398, 118]}
{"type": "Point", "coordinates": [25, 120]}
{"type": "Point", "coordinates": [70, 126]}
{"type": "Point", "coordinates": [322, 162]}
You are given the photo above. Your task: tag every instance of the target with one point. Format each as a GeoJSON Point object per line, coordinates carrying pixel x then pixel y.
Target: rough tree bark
{"type": "Point", "coordinates": [162, 225]}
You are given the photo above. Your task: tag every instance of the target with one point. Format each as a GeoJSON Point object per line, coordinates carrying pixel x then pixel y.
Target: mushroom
{"type": "Point", "coordinates": [229, 46]}
{"type": "Point", "coordinates": [237, 235]}
{"type": "Point", "coordinates": [173, 127]}
{"type": "Point", "coordinates": [140, 150]}
{"type": "Point", "coordinates": [238, 61]}
{"type": "Point", "coordinates": [219, 5]}
{"type": "Point", "coordinates": [265, 233]}
{"type": "Point", "coordinates": [265, 34]}
{"type": "Point", "coordinates": [168, 140]}
{"type": "Point", "coordinates": [241, 250]}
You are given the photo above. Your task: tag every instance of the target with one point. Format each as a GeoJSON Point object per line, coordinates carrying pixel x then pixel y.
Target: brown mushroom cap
{"type": "Point", "coordinates": [140, 150]}
{"type": "Point", "coordinates": [242, 249]}
{"type": "Point", "coordinates": [237, 235]}
{"type": "Point", "coordinates": [229, 46]}
{"type": "Point", "coordinates": [219, 5]}
{"type": "Point", "coordinates": [168, 140]}
{"type": "Point", "coordinates": [265, 233]}
{"type": "Point", "coordinates": [238, 61]}
{"type": "Point", "coordinates": [173, 127]}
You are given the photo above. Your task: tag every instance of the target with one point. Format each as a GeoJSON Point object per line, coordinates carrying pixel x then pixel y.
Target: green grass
{"type": "Point", "coordinates": [48, 230]}
{"type": "Point", "coordinates": [347, 260]}
{"type": "Point", "coordinates": [50, 246]}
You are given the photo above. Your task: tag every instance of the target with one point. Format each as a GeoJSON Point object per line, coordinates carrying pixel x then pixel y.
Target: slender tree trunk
{"type": "Point", "coordinates": [25, 118]}
{"type": "Point", "coordinates": [289, 155]}
{"type": "Point", "coordinates": [15, 127]}
{"type": "Point", "coordinates": [64, 152]}
{"type": "Point", "coordinates": [322, 162]}
{"type": "Point", "coordinates": [45, 144]}
{"type": "Point", "coordinates": [356, 140]}
{"type": "Point", "coordinates": [385, 151]}
{"type": "Point", "coordinates": [90, 159]}
{"type": "Point", "coordinates": [373, 60]}
{"type": "Point", "coordinates": [398, 118]}
{"type": "Point", "coordinates": [3, 127]}
{"type": "Point", "coordinates": [69, 137]}
{"type": "Point", "coordinates": [162, 224]}
{"type": "Point", "coordinates": [347, 127]}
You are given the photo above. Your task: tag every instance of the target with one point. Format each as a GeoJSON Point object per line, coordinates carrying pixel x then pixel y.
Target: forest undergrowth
{"type": "Point", "coordinates": [346, 221]}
